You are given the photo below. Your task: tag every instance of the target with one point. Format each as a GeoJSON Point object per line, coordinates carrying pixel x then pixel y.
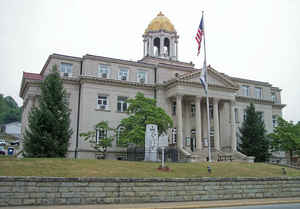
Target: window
{"type": "Point", "coordinates": [100, 134]}
{"type": "Point", "coordinates": [119, 132]}
{"type": "Point", "coordinates": [141, 77]}
{"type": "Point", "coordinates": [258, 92]}
{"type": "Point", "coordinates": [245, 90]}
{"type": "Point", "coordinates": [211, 111]}
{"type": "Point", "coordinates": [193, 109]}
{"type": "Point", "coordinates": [261, 114]}
{"type": "Point", "coordinates": [236, 115]}
{"type": "Point", "coordinates": [274, 121]}
{"type": "Point", "coordinates": [66, 69]}
{"type": "Point", "coordinates": [123, 75]}
{"type": "Point", "coordinates": [122, 104]}
{"type": "Point", "coordinates": [173, 108]}
{"type": "Point", "coordinates": [245, 115]}
{"type": "Point", "coordinates": [103, 71]}
{"type": "Point", "coordinates": [274, 97]}
{"type": "Point", "coordinates": [102, 102]}
{"type": "Point", "coordinates": [174, 136]}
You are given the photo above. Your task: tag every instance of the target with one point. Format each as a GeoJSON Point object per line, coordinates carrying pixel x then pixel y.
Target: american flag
{"type": "Point", "coordinates": [199, 35]}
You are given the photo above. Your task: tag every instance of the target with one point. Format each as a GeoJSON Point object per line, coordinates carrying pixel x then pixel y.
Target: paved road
{"type": "Point", "coordinates": [279, 206]}
{"type": "Point", "coordinates": [276, 203]}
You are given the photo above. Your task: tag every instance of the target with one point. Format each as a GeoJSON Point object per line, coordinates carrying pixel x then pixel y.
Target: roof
{"type": "Point", "coordinates": [32, 76]}
{"type": "Point", "coordinates": [160, 22]}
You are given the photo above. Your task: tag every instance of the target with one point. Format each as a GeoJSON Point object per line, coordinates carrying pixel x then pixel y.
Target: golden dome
{"type": "Point", "coordinates": [160, 22]}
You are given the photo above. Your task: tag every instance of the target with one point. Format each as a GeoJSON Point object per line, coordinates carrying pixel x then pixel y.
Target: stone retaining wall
{"type": "Point", "coordinates": [57, 191]}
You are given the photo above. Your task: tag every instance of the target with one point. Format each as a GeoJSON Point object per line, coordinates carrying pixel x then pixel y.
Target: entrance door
{"type": "Point", "coordinates": [193, 140]}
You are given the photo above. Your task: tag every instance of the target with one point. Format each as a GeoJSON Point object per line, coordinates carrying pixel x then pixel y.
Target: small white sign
{"type": "Point", "coordinates": [163, 140]}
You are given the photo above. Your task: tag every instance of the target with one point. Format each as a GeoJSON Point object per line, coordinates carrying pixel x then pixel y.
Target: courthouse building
{"type": "Point", "coordinates": [98, 87]}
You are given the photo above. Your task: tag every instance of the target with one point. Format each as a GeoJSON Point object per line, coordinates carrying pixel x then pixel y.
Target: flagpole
{"type": "Point", "coordinates": [207, 99]}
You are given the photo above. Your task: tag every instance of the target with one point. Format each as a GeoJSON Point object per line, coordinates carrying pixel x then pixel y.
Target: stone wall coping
{"type": "Point", "coordinates": [120, 180]}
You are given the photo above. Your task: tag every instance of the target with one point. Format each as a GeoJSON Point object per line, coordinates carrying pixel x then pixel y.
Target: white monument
{"type": "Point", "coordinates": [151, 142]}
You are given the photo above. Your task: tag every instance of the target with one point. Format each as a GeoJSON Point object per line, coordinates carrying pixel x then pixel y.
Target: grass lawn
{"type": "Point", "coordinates": [57, 167]}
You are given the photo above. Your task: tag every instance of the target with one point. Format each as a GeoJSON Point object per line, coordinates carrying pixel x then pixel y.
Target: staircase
{"type": "Point", "coordinates": [201, 156]}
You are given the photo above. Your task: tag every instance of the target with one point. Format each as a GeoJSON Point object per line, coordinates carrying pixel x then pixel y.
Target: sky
{"type": "Point", "coordinates": [251, 39]}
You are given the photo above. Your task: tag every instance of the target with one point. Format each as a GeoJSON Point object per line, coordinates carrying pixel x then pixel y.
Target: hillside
{"type": "Point", "coordinates": [9, 110]}
{"type": "Point", "coordinates": [112, 168]}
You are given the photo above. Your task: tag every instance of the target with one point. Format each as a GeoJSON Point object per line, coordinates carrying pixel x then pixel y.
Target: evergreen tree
{"type": "Point", "coordinates": [253, 136]}
{"type": "Point", "coordinates": [49, 130]}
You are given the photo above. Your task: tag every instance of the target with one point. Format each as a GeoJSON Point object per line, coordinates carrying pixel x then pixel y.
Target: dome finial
{"type": "Point", "coordinates": [160, 14]}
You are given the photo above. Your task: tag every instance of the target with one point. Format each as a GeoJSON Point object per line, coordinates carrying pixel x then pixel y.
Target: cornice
{"type": "Point", "coordinates": [280, 106]}
{"type": "Point", "coordinates": [118, 61]}
{"type": "Point", "coordinates": [242, 80]}
{"type": "Point", "coordinates": [254, 100]}
{"type": "Point", "coordinates": [197, 72]}
{"type": "Point", "coordinates": [25, 85]}
{"type": "Point", "coordinates": [224, 77]}
{"type": "Point", "coordinates": [61, 57]}
{"type": "Point", "coordinates": [71, 80]}
{"type": "Point", "coordinates": [96, 80]}
{"type": "Point", "coordinates": [166, 61]}
{"type": "Point", "coordinates": [276, 89]}
{"type": "Point", "coordinates": [175, 67]}
{"type": "Point", "coordinates": [177, 82]}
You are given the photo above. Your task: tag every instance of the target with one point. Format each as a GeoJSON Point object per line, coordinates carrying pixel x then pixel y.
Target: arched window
{"type": "Point", "coordinates": [166, 47]}
{"type": "Point", "coordinates": [156, 47]}
{"type": "Point", "coordinates": [119, 131]}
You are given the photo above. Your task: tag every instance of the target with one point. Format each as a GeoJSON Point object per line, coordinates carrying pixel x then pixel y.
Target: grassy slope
{"type": "Point", "coordinates": [111, 168]}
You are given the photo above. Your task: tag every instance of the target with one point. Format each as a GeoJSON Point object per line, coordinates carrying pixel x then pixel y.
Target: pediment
{"type": "Point", "coordinates": [214, 78]}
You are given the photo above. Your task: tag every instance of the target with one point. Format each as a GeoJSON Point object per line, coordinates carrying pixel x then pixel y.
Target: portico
{"type": "Point", "coordinates": [190, 115]}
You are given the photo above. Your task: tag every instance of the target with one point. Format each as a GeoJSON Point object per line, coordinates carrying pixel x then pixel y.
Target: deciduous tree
{"type": "Point", "coordinates": [100, 144]}
{"type": "Point", "coordinates": [142, 111]}
{"type": "Point", "coordinates": [286, 137]}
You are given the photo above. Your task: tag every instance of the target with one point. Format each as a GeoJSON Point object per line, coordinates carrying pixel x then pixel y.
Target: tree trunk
{"type": "Point", "coordinates": [291, 156]}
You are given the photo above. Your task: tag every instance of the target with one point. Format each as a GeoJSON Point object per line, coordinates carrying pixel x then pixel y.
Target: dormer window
{"type": "Point", "coordinates": [123, 75]}
{"type": "Point", "coordinates": [141, 77]}
{"type": "Point", "coordinates": [103, 71]}
{"type": "Point", "coordinates": [66, 69]}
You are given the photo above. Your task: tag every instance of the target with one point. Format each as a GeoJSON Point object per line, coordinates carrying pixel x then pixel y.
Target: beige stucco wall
{"type": "Point", "coordinates": [56, 61]}
{"type": "Point", "coordinates": [165, 74]}
{"type": "Point", "coordinates": [30, 99]}
{"type": "Point", "coordinates": [90, 115]}
{"type": "Point", "coordinates": [90, 68]}
{"type": "Point", "coordinates": [72, 92]}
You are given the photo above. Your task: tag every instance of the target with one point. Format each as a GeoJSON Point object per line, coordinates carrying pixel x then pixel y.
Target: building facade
{"type": "Point", "coordinates": [99, 86]}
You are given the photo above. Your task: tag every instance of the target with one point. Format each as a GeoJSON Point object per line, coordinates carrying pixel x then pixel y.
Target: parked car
{"type": "Point", "coordinates": [2, 151]}
{"type": "Point", "coordinates": [15, 143]}
{"type": "Point", "coordinates": [2, 142]}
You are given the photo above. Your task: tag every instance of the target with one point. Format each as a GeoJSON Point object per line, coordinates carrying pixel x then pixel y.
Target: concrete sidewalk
{"type": "Point", "coordinates": [172, 205]}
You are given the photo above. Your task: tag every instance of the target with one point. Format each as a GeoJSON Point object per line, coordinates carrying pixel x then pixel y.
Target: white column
{"type": "Point", "coordinates": [198, 123]}
{"type": "Point", "coordinates": [233, 128]}
{"type": "Point", "coordinates": [176, 50]}
{"type": "Point", "coordinates": [144, 41]}
{"type": "Point", "coordinates": [179, 120]}
{"type": "Point", "coordinates": [216, 124]}
{"type": "Point", "coordinates": [161, 46]}
{"type": "Point", "coordinates": [151, 46]}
